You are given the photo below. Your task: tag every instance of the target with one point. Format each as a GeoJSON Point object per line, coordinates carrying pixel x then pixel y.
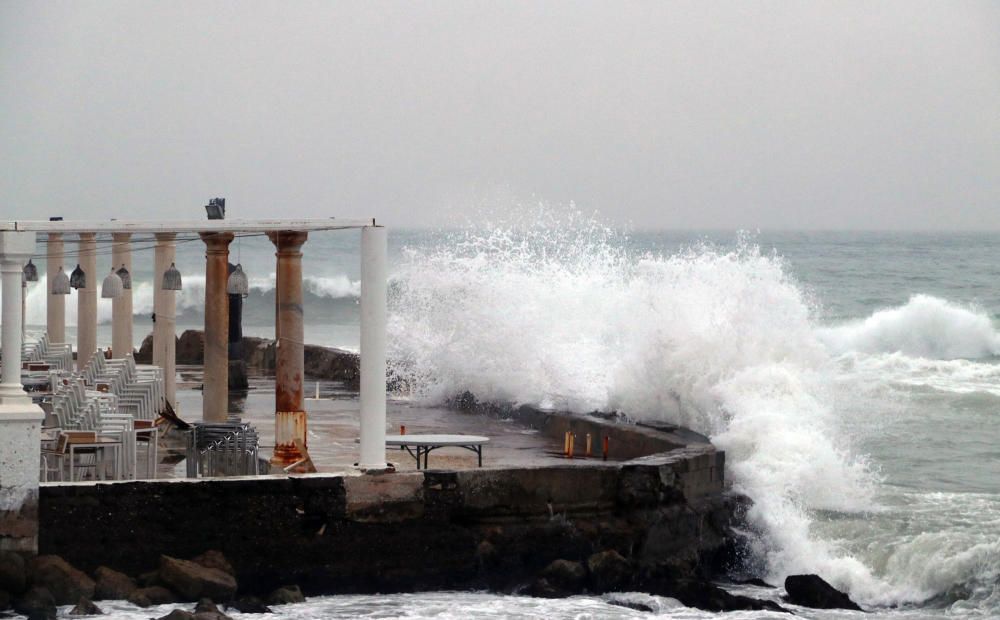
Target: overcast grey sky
{"type": "Point", "coordinates": [871, 115]}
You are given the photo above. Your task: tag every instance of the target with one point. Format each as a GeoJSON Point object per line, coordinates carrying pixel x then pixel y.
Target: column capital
{"type": "Point", "coordinates": [87, 236]}
{"type": "Point", "coordinates": [121, 236]}
{"type": "Point", "coordinates": [288, 242]}
{"type": "Point", "coordinates": [16, 246]}
{"type": "Point", "coordinates": [217, 242]}
{"type": "Point", "coordinates": [165, 236]}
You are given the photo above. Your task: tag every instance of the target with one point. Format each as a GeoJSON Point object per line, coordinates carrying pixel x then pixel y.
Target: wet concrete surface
{"type": "Point", "coordinates": [334, 424]}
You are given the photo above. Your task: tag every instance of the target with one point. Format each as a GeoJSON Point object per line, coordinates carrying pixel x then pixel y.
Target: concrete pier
{"type": "Point", "coordinates": [86, 300]}
{"type": "Point", "coordinates": [165, 309]}
{"type": "Point", "coordinates": [121, 307]}
{"type": "Point", "coordinates": [290, 416]}
{"type": "Point", "coordinates": [55, 305]}
{"type": "Point", "coordinates": [216, 379]}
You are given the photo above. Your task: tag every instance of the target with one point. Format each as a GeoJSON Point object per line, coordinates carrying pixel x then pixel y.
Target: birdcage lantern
{"type": "Point", "coordinates": [30, 272]}
{"type": "Point", "coordinates": [60, 283]}
{"type": "Point", "coordinates": [172, 278]}
{"type": "Point", "coordinates": [78, 279]}
{"type": "Point", "coordinates": [111, 288]}
{"type": "Point", "coordinates": [126, 278]}
{"type": "Point", "coordinates": [237, 283]}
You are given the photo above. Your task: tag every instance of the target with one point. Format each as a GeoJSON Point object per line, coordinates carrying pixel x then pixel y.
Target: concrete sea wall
{"type": "Point", "coordinates": [484, 528]}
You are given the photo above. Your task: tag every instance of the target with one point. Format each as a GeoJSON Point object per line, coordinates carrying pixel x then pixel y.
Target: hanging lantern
{"type": "Point", "coordinates": [126, 278]}
{"type": "Point", "coordinates": [78, 279]}
{"type": "Point", "coordinates": [30, 272]}
{"type": "Point", "coordinates": [172, 279]}
{"type": "Point", "coordinates": [111, 288]}
{"type": "Point", "coordinates": [237, 283]}
{"type": "Point", "coordinates": [60, 283]}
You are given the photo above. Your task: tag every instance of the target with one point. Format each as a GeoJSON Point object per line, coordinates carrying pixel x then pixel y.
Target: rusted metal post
{"type": "Point", "coordinates": [289, 374]}
{"type": "Point", "coordinates": [55, 305]}
{"type": "Point", "coordinates": [86, 300]}
{"type": "Point", "coordinates": [121, 307]}
{"type": "Point", "coordinates": [165, 309]}
{"type": "Point", "coordinates": [215, 391]}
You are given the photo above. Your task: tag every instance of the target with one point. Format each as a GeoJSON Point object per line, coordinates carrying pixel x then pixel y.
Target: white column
{"type": "Point", "coordinates": [374, 276]}
{"type": "Point", "coordinates": [55, 305]}
{"type": "Point", "coordinates": [20, 420]}
{"type": "Point", "coordinates": [86, 302]}
{"type": "Point", "coordinates": [121, 306]}
{"type": "Point", "coordinates": [165, 308]}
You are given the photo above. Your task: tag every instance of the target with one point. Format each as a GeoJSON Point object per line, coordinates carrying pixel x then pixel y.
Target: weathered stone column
{"type": "Point", "coordinates": [20, 419]}
{"type": "Point", "coordinates": [165, 309]}
{"type": "Point", "coordinates": [216, 376]}
{"type": "Point", "coordinates": [86, 302]}
{"type": "Point", "coordinates": [55, 305]}
{"type": "Point", "coordinates": [121, 307]}
{"type": "Point", "coordinates": [289, 412]}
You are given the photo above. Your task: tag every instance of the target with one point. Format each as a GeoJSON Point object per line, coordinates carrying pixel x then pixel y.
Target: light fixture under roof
{"type": "Point", "coordinates": [172, 278]}
{"type": "Point", "coordinates": [111, 288]}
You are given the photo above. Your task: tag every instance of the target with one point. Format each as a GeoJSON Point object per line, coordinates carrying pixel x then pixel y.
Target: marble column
{"type": "Point", "coordinates": [121, 307]}
{"type": "Point", "coordinates": [165, 309]}
{"type": "Point", "coordinates": [86, 302]}
{"type": "Point", "coordinates": [290, 415]}
{"type": "Point", "coordinates": [20, 419]}
{"type": "Point", "coordinates": [55, 305]}
{"type": "Point", "coordinates": [216, 375]}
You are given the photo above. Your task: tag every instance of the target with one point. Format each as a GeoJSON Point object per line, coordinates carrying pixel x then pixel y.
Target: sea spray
{"type": "Point", "coordinates": [722, 341]}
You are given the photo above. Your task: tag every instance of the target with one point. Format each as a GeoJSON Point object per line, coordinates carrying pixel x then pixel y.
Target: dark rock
{"type": "Point", "coordinates": [215, 559]}
{"type": "Point", "coordinates": [753, 581]}
{"type": "Point", "coordinates": [286, 595]}
{"type": "Point", "coordinates": [4, 600]}
{"type": "Point", "coordinates": [13, 573]}
{"type": "Point", "coordinates": [637, 606]}
{"type": "Point", "coordinates": [465, 402]}
{"type": "Point", "coordinates": [709, 597]}
{"type": "Point", "coordinates": [86, 607]}
{"type": "Point", "coordinates": [249, 605]}
{"type": "Point", "coordinates": [178, 614]}
{"type": "Point", "coordinates": [151, 578]}
{"type": "Point", "coordinates": [207, 610]}
{"type": "Point", "coordinates": [152, 595]}
{"type": "Point", "coordinates": [145, 353]}
{"type": "Point", "coordinates": [65, 583]}
{"type": "Point", "coordinates": [112, 585]}
{"type": "Point", "coordinates": [813, 591]}
{"type": "Point", "coordinates": [332, 364]}
{"type": "Point", "coordinates": [608, 571]}
{"type": "Point", "coordinates": [541, 588]}
{"type": "Point", "coordinates": [36, 603]}
{"type": "Point", "coordinates": [191, 581]}
{"type": "Point", "coordinates": [566, 575]}
{"type": "Point", "coordinates": [191, 347]}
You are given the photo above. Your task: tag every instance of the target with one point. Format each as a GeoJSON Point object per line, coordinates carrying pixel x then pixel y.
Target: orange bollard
{"type": "Point", "coordinates": [604, 448]}
{"type": "Point", "coordinates": [572, 440]}
{"type": "Point", "coordinates": [402, 429]}
{"type": "Point", "coordinates": [589, 444]}
{"type": "Point", "coordinates": [566, 444]}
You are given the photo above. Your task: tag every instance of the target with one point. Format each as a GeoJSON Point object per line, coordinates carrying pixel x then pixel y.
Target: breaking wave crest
{"type": "Point", "coordinates": [719, 340]}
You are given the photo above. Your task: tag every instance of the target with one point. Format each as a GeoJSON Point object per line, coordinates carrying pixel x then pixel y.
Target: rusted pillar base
{"type": "Point", "coordinates": [289, 426]}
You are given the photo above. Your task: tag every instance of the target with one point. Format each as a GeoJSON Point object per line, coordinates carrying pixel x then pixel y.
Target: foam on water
{"type": "Point", "coordinates": [560, 314]}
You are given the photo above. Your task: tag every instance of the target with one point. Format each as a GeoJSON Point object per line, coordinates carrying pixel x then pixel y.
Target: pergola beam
{"type": "Point", "coordinates": [181, 226]}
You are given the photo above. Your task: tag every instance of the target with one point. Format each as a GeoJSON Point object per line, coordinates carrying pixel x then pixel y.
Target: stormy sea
{"type": "Point", "coordinates": [853, 379]}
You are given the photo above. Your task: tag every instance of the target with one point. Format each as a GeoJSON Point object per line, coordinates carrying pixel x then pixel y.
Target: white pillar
{"type": "Point", "coordinates": [55, 305]}
{"type": "Point", "coordinates": [20, 420]}
{"type": "Point", "coordinates": [121, 306]}
{"type": "Point", "coordinates": [165, 308]}
{"type": "Point", "coordinates": [86, 302]}
{"type": "Point", "coordinates": [374, 277]}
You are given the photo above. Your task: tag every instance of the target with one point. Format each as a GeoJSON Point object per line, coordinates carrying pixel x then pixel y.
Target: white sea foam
{"type": "Point", "coordinates": [926, 326]}
{"type": "Point", "coordinates": [721, 341]}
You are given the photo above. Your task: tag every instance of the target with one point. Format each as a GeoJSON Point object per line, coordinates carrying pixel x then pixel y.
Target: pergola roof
{"type": "Point", "coordinates": [180, 226]}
